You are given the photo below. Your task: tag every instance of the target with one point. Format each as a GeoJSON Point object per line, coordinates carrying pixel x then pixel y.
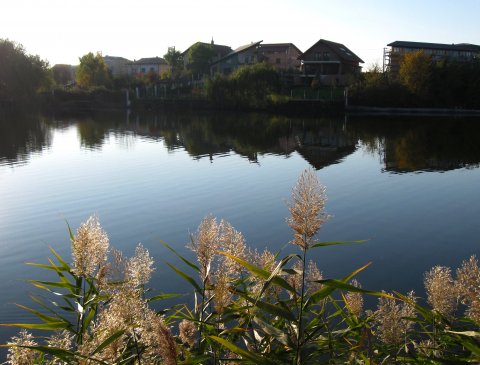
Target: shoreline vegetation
{"type": "Point", "coordinates": [246, 306]}
{"type": "Point", "coordinates": [421, 86]}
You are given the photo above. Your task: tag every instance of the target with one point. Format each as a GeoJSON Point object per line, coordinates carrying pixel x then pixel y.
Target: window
{"type": "Point", "coordinates": [318, 56]}
{"type": "Point", "coordinates": [277, 61]}
{"type": "Point", "coordinates": [142, 70]}
{"type": "Point", "coordinates": [326, 56]}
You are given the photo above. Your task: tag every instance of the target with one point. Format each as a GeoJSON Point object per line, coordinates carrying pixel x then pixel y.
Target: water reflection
{"type": "Point", "coordinates": [414, 145]}
{"type": "Point", "coordinates": [404, 145]}
{"type": "Point", "coordinates": [21, 136]}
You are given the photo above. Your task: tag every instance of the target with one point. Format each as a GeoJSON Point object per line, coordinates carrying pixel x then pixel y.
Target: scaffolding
{"type": "Point", "coordinates": [387, 53]}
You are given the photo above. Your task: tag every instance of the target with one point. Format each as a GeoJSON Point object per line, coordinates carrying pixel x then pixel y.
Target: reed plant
{"type": "Point", "coordinates": [249, 306]}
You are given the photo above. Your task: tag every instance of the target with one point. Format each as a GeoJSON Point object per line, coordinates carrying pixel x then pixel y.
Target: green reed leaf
{"type": "Point", "coordinates": [277, 333]}
{"type": "Point", "coordinates": [55, 284]}
{"type": "Point", "coordinates": [60, 259]}
{"type": "Point", "coordinates": [43, 317]}
{"type": "Point", "coordinates": [334, 243]}
{"type": "Point", "coordinates": [163, 296]}
{"type": "Point", "coordinates": [186, 277]}
{"type": "Point", "coordinates": [327, 290]}
{"type": "Point", "coordinates": [39, 326]}
{"type": "Point", "coordinates": [188, 262]}
{"type": "Point", "coordinates": [263, 274]}
{"type": "Point", "coordinates": [246, 355]}
{"type": "Point", "coordinates": [340, 284]}
{"type": "Point", "coordinates": [108, 341]}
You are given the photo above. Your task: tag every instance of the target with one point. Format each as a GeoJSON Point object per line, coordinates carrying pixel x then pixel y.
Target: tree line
{"type": "Point", "coordinates": [421, 81]}
{"type": "Point", "coordinates": [21, 75]}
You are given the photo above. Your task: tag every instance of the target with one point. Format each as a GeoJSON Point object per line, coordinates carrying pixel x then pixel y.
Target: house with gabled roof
{"type": "Point", "coordinates": [118, 66]}
{"type": "Point", "coordinates": [244, 55]}
{"type": "Point", "coordinates": [330, 63]}
{"type": "Point", "coordinates": [219, 51]}
{"type": "Point", "coordinates": [461, 52]}
{"type": "Point", "coordinates": [149, 65]}
{"type": "Point", "coordinates": [282, 56]}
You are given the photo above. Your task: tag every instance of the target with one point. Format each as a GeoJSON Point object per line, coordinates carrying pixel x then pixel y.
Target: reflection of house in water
{"type": "Point", "coordinates": [325, 146]}
{"type": "Point", "coordinates": [320, 142]}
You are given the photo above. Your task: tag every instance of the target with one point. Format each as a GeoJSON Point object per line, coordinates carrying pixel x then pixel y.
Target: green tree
{"type": "Point", "coordinates": [199, 57]}
{"type": "Point", "coordinates": [21, 75]}
{"type": "Point", "coordinates": [415, 72]}
{"type": "Point", "coordinates": [62, 74]}
{"type": "Point", "coordinates": [92, 71]}
{"type": "Point", "coordinates": [175, 60]}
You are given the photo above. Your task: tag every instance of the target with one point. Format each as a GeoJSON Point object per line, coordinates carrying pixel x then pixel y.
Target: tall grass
{"type": "Point", "coordinates": [249, 307]}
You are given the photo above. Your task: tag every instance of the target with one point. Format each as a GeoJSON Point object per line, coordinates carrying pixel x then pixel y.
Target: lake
{"type": "Point", "coordinates": [410, 186]}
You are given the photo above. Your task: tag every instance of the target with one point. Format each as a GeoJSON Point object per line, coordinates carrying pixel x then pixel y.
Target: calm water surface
{"type": "Point", "coordinates": [410, 186]}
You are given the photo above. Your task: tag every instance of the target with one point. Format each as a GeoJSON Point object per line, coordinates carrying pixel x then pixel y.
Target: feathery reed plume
{"type": "Point", "coordinates": [232, 242]}
{"type": "Point", "coordinates": [21, 355]}
{"type": "Point", "coordinates": [61, 340]}
{"type": "Point", "coordinates": [468, 287]}
{"type": "Point", "coordinates": [429, 348]}
{"type": "Point", "coordinates": [306, 208]}
{"type": "Point", "coordinates": [266, 261]}
{"type": "Point", "coordinates": [187, 332]}
{"type": "Point", "coordinates": [158, 339]}
{"type": "Point", "coordinates": [354, 300]}
{"type": "Point", "coordinates": [139, 268]}
{"type": "Point", "coordinates": [313, 274]}
{"type": "Point", "coordinates": [89, 247]}
{"type": "Point", "coordinates": [295, 279]}
{"type": "Point", "coordinates": [222, 295]}
{"type": "Point", "coordinates": [441, 290]}
{"type": "Point", "coordinates": [124, 312]}
{"type": "Point", "coordinates": [205, 243]}
{"type": "Point", "coordinates": [392, 320]}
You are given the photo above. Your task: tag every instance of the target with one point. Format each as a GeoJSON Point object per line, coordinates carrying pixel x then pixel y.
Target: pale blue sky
{"type": "Point", "coordinates": [61, 31]}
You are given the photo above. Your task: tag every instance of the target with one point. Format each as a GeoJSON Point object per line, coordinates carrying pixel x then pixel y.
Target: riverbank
{"type": "Point", "coordinates": [108, 100]}
{"type": "Point", "coordinates": [426, 112]}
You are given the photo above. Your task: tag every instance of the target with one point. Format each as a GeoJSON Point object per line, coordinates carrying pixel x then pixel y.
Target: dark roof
{"type": "Point", "coordinates": [223, 50]}
{"type": "Point", "coordinates": [278, 47]}
{"type": "Point", "coordinates": [341, 50]}
{"type": "Point", "coordinates": [150, 61]}
{"type": "Point", "coordinates": [239, 50]}
{"type": "Point", "coordinates": [424, 45]}
{"type": "Point", "coordinates": [115, 58]}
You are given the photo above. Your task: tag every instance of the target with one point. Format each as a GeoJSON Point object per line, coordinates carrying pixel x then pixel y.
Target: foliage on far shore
{"type": "Point", "coordinates": [248, 86]}
{"type": "Point", "coordinates": [21, 75]}
{"type": "Point", "coordinates": [421, 81]}
{"type": "Point", "coordinates": [248, 306]}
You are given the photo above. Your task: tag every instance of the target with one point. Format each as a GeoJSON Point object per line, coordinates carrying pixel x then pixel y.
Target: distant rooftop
{"type": "Point", "coordinates": [341, 50]}
{"type": "Point", "coordinates": [150, 61]}
{"type": "Point", "coordinates": [424, 45]}
{"type": "Point", "coordinates": [278, 47]}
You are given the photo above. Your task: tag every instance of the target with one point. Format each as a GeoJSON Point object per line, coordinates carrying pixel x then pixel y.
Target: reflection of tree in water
{"type": "Point", "coordinates": [21, 136]}
{"type": "Point", "coordinates": [403, 145]}
{"type": "Point", "coordinates": [92, 133]}
{"type": "Point", "coordinates": [422, 145]}
{"type": "Point", "coordinates": [321, 142]}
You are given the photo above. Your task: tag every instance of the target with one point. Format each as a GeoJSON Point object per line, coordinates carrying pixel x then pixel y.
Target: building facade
{"type": "Point", "coordinates": [145, 66]}
{"type": "Point", "coordinates": [118, 66]}
{"type": "Point", "coordinates": [330, 63]}
{"type": "Point", "coordinates": [244, 55]}
{"type": "Point", "coordinates": [282, 56]}
{"type": "Point", "coordinates": [462, 52]}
